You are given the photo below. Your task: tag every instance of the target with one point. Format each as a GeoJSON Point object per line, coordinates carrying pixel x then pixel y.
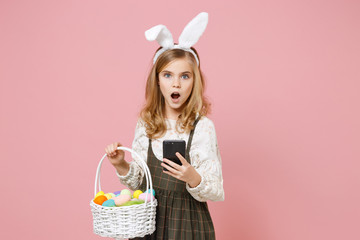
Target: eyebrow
{"type": "Point", "coordinates": [166, 71]}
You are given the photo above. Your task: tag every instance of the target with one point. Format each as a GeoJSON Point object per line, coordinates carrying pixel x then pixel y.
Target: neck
{"type": "Point", "coordinates": [172, 113]}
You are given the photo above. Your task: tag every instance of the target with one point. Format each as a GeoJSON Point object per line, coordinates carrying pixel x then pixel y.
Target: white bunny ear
{"type": "Point", "coordinates": [193, 30]}
{"type": "Point", "coordinates": [161, 34]}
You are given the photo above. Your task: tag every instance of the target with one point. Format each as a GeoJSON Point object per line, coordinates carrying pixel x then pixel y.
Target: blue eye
{"type": "Point", "coordinates": [185, 76]}
{"type": "Point", "coordinates": [166, 75]}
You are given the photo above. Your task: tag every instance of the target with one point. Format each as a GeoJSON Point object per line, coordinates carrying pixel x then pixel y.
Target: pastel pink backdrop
{"type": "Point", "coordinates": [283, 77]}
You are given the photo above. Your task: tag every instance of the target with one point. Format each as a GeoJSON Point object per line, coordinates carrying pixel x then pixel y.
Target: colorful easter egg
{"type": "Point", "coordinates": [100, 199]}
{"type": "Point", "coordinates": [126, 191]}
{"type": "Point", "coordinates": [117, 192]}
{"type": "Point", "coordinates": [121, 199]}
{"type": "Point", "coordinates": [112, 195]}
{"type": "Point", "coordinates": [133, 202]}
{"type": "Point", "coordinates": [109, 203]}
{"type": "Point", "coordinates": [135, 199]}
{"type": "Point", "coordinates": [137, 193]}
{"type": "Point", "coordinates": [108, 196]}
{"type": "Point", "coordinates": [153, 192]}
{"type": "Point", "coordinates": [146, 197]}
{"type": "Point", "coordinates": [99, 193]}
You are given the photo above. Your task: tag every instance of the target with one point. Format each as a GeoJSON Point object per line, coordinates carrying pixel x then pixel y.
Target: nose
{"type": "Point", "coordinates": [176, 83]}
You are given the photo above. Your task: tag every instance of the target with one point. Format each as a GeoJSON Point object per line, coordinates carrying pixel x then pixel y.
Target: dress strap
{"type": "Point", "coordinates": [189, 140]}
{"type": "Point", "coordinates": [191, 136]}
{"type": "Point", "coordinates": [150, 151]}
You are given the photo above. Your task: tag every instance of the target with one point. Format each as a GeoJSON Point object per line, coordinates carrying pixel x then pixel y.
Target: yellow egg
{"type": "Point", "coordinates": [99, 193]}
{"type": "Point", "coordinates": [108, 196]}
{"type": "Point", "coordinates": [137, 193]}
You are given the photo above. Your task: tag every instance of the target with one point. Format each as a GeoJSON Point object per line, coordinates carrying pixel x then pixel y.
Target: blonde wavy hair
{"type": "Point", "coordinates": [153, 110]}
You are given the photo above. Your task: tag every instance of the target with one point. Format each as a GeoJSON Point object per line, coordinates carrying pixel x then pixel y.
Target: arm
{"type": "Point", "coordinates": [205, 158]}
{"type": "Point", "coordinates": [135, 174]}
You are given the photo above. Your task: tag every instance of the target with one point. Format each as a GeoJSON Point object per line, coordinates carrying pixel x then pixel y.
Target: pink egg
{"type": "Point", "coordinates": [121, 199]}
{"type": "Point", "coordinates": [149, 197]}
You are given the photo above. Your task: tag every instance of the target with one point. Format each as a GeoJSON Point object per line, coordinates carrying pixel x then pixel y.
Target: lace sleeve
{"type": "Point", "coordinates": [134, 177]}
{"type": "Point", "coordinates": [205, 158]}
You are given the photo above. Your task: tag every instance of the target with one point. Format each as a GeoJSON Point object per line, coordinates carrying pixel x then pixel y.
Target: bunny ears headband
{"type": "Point", "coordinates": [189, 36]}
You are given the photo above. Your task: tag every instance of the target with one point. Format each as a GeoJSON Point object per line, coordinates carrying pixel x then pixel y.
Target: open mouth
{"type": "Point", "coordinates": [175, 95]}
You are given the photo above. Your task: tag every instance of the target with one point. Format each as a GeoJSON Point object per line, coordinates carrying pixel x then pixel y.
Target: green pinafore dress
{"type": "Point", "coordinates": [179, 216]}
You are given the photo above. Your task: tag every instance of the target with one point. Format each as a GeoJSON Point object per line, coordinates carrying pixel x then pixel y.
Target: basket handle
{"type": "Point", "coordinates": [137, 159]}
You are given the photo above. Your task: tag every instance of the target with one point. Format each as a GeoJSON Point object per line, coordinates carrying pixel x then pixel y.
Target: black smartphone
{"type": "Point", "coordinates": [170, 147]}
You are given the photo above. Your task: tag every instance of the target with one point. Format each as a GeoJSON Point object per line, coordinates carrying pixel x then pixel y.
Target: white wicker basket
{"type": "Point", "coordinates": [127, 221]}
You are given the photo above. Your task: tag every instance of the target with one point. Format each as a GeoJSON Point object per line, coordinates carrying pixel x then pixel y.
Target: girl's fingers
{"type": "Point", "coordinates": [116, 145]}
{"type": "Point", "coordinates": [112, 151]}
{"type": "Point", "coordinates": [169, 168]}
{"type": "Point", "coordinates": [172, 164]}
{"type": "Point", "coordinates": [116, 151]}
{"type": "Point", "coordinates": [182, 159]}
{"type": "Point", "coordinates": [107, 150]}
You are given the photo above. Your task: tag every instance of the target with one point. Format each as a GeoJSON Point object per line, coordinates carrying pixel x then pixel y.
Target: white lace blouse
{"type": "Point", "coordinates": [204, 157]}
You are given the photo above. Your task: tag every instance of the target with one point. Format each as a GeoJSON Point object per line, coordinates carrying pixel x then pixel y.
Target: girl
{"type": "Point", "coordinates": [176, 109]}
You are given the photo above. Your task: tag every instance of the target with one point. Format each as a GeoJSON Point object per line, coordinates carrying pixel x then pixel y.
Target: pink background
{"type": "Point", "coordinates": [283, 77]}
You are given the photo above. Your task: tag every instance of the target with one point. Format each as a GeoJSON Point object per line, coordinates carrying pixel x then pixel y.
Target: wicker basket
{"type": "Point", "coordinates": [127, 221]}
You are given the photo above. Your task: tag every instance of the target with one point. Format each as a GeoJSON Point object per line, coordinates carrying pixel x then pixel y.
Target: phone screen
{"type": "Point", "coordinates": [170, 147]}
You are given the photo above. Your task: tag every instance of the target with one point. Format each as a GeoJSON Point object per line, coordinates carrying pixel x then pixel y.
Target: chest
{"type": "Point", "coordinates": [171, 134]}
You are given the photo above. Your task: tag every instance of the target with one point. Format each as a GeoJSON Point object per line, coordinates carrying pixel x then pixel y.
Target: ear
{"type": "Point", "coordinates": [193, 30]}
{"type": "Point", "coordinates": [161, 34]}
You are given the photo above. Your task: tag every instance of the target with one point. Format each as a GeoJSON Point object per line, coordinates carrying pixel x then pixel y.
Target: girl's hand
{"type": "Point", "coordinates": [116, 157]}
{"type": "Point", "coordinates": [185, 173]}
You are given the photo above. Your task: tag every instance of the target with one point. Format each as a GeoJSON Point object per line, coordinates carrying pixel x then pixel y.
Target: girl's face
{"type": "Point", "coordinates": [176, 82]}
